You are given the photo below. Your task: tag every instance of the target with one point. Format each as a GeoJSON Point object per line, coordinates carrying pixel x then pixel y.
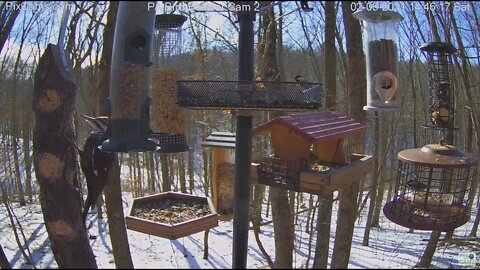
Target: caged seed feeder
{"type": "Point", "coordinates": [167, 117]}
{"type": "Point", "coordinates": [128, 128]}
{"type": "Point", "coordinates": [433, 188]}
{"type": "Point", "coordinates": [440, 81]}
{"type": "Point", "coordinates": [380, 45]}
{"type": "Point", "coordinates": [434, 183]}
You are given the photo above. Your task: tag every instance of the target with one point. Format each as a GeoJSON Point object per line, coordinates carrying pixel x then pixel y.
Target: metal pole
{"type": "Point", "coordinates": [243, 144]}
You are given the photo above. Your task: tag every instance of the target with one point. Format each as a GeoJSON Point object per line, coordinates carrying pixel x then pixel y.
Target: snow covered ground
{"type": "Point", "coordinates": [391, 246]}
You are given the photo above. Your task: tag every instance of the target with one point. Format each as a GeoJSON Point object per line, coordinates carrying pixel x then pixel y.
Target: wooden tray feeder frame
{"type": "Point", "coordinates": [171, 231]}
{"type": "Point", "coordinates": [433, 188]}
{"type": "Point", "coordinates": [300, 140]}
{"type": "Point", "coordinates": [223, 172]}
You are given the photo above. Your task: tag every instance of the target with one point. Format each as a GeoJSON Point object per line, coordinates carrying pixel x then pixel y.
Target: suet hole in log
{"type": "Point", "coordinates": [50, 166]}
{"type": "Point", "coordinates": [48, 101]}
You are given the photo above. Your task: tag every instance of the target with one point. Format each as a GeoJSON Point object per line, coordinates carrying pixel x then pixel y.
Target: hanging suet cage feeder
{"type": "Point", "coordinates": [380, 46]}
{"type": "Point", "coordinates": [167, 117]}
{"type": "Point", "coordinates": [442, 102]}
{"type": "Point", "coordinates": [433, 188]}
{"type": "Point", "coordinates": [130, 80]}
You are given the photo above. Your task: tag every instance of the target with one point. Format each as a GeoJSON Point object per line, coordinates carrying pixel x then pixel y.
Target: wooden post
{"type": "Point", "coordinates": [55, 162]}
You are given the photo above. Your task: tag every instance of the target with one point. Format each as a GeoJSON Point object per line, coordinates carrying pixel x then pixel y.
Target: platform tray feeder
{"type": "Point", "coordinates": [309, 153]}
{"type": "Point", "coordinates": [433, 188]}
{"type": "Point", "coordinates": [251, 95]}
{"type": "Point", "coordinates": [171, 215]}
{"type": "Point", "coordinates": [223, 172]}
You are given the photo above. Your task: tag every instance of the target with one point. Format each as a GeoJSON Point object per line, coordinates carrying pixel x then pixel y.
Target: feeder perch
{"type": "Point", "coordinates": [309, 153]}
{"type": "Point", "coordinates": [223, 172]}
{"type": "Point", "coordinates": [380, 45]}
{"type": "Point", "coordinates": [440, 76]}
{"type": "Point", "coordinates": [433, 188]}
{"type": "Point", "coordinates": [167, 117]}
{"type": "Point", "coordinates": [171, 215]}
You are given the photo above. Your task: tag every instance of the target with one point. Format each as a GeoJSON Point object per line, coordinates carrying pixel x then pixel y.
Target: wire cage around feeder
{"type": "Point", "coordinates": [380, 46]}
{"type": "Point", "coordinates": [442, 102]}
{"type": "Point", "coordinates": [167, 117]}
{"type": "Point", "coordinates": [433, 188]}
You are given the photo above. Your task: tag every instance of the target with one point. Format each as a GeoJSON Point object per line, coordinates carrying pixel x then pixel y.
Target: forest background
{"type": "Point", "coordinates": [321, 45]}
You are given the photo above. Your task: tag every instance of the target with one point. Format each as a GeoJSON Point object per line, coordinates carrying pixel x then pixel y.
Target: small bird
{"type": "Point", "coordinates": [94, 164]}
{"type": "Point", "coordinates": [416, 185]}
{"type": "Point", "coordinates": [98, 123]}
{"type": "Point", "coordinates": [305, 7]}
{"type": "Point", "coordinates": [299, 78]}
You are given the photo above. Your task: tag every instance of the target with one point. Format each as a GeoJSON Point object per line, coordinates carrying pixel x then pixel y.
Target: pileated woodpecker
{"type": "Point", "coordinates": [95, 164]}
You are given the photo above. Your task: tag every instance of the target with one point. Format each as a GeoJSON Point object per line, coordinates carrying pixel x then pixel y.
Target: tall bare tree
{"type": "Point", "coordinates": [326, 200]}
{"type": "Point", "coordinates": [356, 80]}
{"type": "Point", "coordinates": [112, 190]}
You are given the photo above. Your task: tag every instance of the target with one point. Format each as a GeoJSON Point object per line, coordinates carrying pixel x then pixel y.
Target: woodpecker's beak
{"type": "Point", "coordinates": [98, 123]}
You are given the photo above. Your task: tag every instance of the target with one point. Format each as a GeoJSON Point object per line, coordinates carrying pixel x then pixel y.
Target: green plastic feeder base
{"type": "Point", "coordinates": [172, 148]}
{"type": "Point", "coordinates": [111, 145]}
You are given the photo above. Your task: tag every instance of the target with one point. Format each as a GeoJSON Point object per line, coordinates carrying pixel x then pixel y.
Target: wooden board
{"type": "Point", "coordinates": [318, 183]}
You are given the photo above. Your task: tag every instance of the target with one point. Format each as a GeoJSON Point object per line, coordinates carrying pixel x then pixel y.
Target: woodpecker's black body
{"type": "Point", "coordinates": [95, 165]}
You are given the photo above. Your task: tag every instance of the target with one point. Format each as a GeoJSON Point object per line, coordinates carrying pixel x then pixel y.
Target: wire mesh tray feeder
{"type": "Point", "coordinates": [260, 95]}
{"type": "Point", "coordinates": [171, 215]}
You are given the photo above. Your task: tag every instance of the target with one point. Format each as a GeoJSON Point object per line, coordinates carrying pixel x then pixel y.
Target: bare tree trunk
{"type": "Point", "coordinates": [373, 186]}
{"type": "Point", "coordinates": [55, 162]}
{"type": "Point", "coordinates": [4, 263]}
{"type": "Point", "coordinates": [282, 227]}
{"type": "Point", "coordinates": [7, 20]}
{"type": "Point", "coordinates": [320, 260]}
{"type": "Point", "coordinates": [112, 190]}
{"type": "Point", "coordinates": [357, 84]}
{"type": "Point", "coordinates": [427, 256]}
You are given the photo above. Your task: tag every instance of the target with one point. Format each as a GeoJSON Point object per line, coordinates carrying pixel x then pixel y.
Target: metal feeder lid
{"type": "Point", "coordinates": [169, 20]}
{"type": "Point", "coordinates": [378, 16]}
{"type": "Point", "coordinates": [441, 47]}
{"type": "Point", "coordinates": [438, 156]}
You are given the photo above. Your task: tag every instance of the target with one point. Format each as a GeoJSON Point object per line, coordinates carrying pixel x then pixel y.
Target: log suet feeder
{"type": "Point", "coordinates": [433, 188]}
{"type": "Point", "coordinates": [380, 46]}
{"type": "Point", "coordinates": [223, 172]}
{"type": "Point", "coordinates": [440, 69]}
{"type": "Point", "coordinates": [309, 153]}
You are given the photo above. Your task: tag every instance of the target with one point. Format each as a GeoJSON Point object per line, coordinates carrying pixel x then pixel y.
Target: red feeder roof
{"type": "Point", "coordinates": [317, 126]}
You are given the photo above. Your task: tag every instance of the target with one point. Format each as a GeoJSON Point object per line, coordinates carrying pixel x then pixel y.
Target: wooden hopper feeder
{"type": "Point", "coordinates": [171, 215]}
{"type": "Point", "coordinates": [309, 153]}
{"type": "Point", "coordinates": [223, 172]}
